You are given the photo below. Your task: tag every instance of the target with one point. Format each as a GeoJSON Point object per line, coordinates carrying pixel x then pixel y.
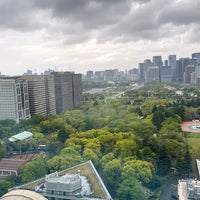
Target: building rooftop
{"type": "Point", "coordinates": [21, 136]}
{"type": "Point", "coordinates": [22, 195]}
{"type": "Point", "coordinates": [11, 164]}
{"type": "Point", "coordinates": [92, 185]}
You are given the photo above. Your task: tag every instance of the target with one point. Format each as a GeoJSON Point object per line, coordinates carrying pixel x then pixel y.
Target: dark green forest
{"type": "Point", "coordinates": [134, 141]}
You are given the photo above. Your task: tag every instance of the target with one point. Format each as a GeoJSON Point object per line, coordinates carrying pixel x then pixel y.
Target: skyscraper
{"type": "Point", "coordinates": [172, 64]}
{"type": "Point", "coordinates": [196, 57]}
{"type": "Point", "coordinates": [182, 63]}
{"type": "Point", "coordinates": [152, 74]}
{"type": "Point", "coordinates": [157, 61]}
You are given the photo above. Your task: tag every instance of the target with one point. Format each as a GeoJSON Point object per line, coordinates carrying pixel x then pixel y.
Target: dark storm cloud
{"type": "Point", "coordinates": [81, 20]}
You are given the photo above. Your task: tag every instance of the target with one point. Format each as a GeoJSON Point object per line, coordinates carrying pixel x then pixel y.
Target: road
{"type": "Point", "coordinates": [168, 188]}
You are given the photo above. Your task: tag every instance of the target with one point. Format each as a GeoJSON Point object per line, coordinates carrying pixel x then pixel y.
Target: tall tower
{"type": "Point", "coordinates": [172, 64]}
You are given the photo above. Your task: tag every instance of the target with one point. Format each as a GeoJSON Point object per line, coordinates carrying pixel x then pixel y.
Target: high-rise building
{"type": "Point", "coordinates": [165, 74]}
{"type": "Point", "coordinates": [90, 74]}
{"type": "Point", "coordinates": [172, 64]}
{"type": "Point", "coordinates": [133, 74]}
{"type": "Point", "coordinates": [110, 75]}
{"type": "Point", "coordinates": [14, 99]}
{"type": "Point", "coordinates": [68, 90]}
{"type": "Point", "coordinates": [141, 71]}
{"type": "Point", "coordinates": [157, 61]}
{"type": "Point", "coordinates": [77, 90]}
{"type": "Point", "coordinates": [152, 74]}
{"type": "Point", "coordinates": [50, 95]}
{"type": "Point", "coordinates": [37, 94]}
{"type": "Point", "coordinates": [196, 57]}
{"type": "Point", "coordinates": [143, 67]}
{"type": "Point", "coordinates": [188, 71]}
{"type": "Point", "coordinates": [41, 95]}
{"type": "Point", "coordinates": [182, 63]}
{"type": "Point", "coordinates": [197, 74]}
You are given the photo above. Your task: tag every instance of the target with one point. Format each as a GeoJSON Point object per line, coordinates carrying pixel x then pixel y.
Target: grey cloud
{"type": "Point", "coordinates": [181, 13]}
{"type": "Point", "coordinates": [113, 20]}
{"type": "Point", "coordinates": [19, 15]}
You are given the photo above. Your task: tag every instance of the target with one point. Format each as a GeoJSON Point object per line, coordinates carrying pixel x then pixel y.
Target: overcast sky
{"type": "Point", "coordinates": [79, 35]}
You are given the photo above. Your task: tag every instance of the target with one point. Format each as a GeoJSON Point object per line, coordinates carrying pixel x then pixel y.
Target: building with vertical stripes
{"type": "Point", "coordinates": [14, 99]}
{"type": "Point", "coordinates": [68, 90]}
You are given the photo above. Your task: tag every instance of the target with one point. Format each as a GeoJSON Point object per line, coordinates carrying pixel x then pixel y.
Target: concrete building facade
{"type": "Point", "coordinates": [152, 74]}
{"type": "Point", "coordinates": [68, 90]}
{"type": "Point", "coordinates": [38, 91]}
{"type": "Point", "coordinates": [14, 99]}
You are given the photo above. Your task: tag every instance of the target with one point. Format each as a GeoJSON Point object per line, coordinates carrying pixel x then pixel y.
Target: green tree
{"type": "Point", "coordinates": [34, 169]}
{"type": "Point", "coordinates": [142, 170]}
{"type": "Point", "coordinates": [2, 150]}
{"type": "Point", "coordinates": [112, 172]}
{"type": "Point", "coordinates": [163, 162]}
{"type": "Point", "coordinates": [64, 132]}
{"type": "Point", "coordinates": [125, 148]}
{"type": "Point", "coordinates": [4, 186]}
{"type": "Point", "coordinates": [68, 157]}
{"type": "Point", "coordinates": [158, 118]}
{"type": "Point", "coordinates": [89, 154]}
{"type": "Point", "coordinates": [131, 189]}
{"type": "Point", "coordinates": [187, 162]}
{"type": "Point", "coordinates": [106, 158]}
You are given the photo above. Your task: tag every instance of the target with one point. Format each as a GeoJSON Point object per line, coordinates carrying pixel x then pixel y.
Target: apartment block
{"type": "Point", "coordinates": [14, 99]}
{"type": "Point", "coordinates": [37, 94]}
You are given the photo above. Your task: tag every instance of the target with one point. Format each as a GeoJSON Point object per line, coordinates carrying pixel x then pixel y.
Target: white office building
{"type": "Point", "coordinates": [14, 99]}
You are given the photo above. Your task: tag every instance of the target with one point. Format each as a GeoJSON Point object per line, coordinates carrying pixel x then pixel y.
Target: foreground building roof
{"type": "Point", "coordinates": [86, 184]}
{"type": "Point", "coordinates": [22, 195]}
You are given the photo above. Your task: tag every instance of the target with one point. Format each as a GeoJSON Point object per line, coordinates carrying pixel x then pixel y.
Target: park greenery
{"type": "Point", "coordinates": [134, 141]}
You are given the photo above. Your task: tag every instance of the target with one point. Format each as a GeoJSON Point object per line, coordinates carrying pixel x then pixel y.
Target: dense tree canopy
{"type": "Point", "coordinates": [134, 141]}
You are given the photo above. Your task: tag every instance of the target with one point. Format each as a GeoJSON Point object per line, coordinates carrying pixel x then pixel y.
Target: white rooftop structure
{"type": "Point", "coordinates": [21, 136]}
{"type": "Point", "coordinates": [68, 183]}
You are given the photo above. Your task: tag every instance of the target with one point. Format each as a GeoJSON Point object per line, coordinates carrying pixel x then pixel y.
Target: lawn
{"type": "Point", "coordinates": [193, 140]}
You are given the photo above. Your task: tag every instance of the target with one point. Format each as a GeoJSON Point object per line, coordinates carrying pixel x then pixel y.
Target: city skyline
{"type": "Point", "coordinates": [78, 35]}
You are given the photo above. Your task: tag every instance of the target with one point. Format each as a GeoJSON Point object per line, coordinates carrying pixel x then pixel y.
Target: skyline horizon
{"type": "Point", "coordinates": [69, 69]}
{"type": "Point", "coordinates": [77, 35]}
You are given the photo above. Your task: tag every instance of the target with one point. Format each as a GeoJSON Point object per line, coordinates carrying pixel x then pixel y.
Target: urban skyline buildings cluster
{"type": "Point", "coordinates": [182, 70]}
{"type": "Point", "coordinates": [25, 96]}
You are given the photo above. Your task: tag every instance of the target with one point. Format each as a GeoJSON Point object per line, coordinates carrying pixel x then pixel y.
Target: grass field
{"type": "Point", "coordinates": [193, 140]}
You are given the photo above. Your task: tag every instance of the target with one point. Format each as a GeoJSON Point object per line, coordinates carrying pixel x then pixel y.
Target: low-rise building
{"type": "Point", "coordinates": [80, 182]}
